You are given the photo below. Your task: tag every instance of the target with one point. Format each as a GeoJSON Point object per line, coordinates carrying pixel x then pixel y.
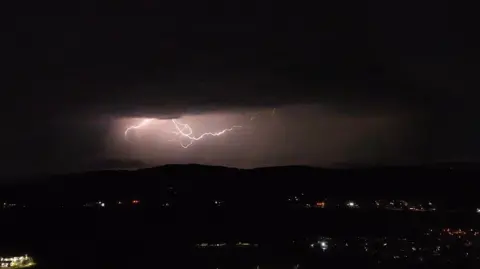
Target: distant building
{"type": "Point", "coordinates": [16, 262]}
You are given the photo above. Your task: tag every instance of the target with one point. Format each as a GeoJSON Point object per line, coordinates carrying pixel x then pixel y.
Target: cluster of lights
{"type": "Point", "coordinates": [98, 203]}
{"type": "Point", "coordinates": [400, 205]}
{"type": "Point", "coordinates": [215, 245]}
{"type": "Point", "coordinates": [351, 204]}
{"type": "Point", "coordinates": [103, 204]}
{"type": "Point", "coordinates": [393, 205]}
{"type": "Point", "coordinates": [398, 248]}
{"type": "Point", "coordinates": [16, 262]}
{"type": "Point", "coordinates": [459, 232]}
{"type": "Point", "coordinates": [245, 244]}
{"type": "Point", "coordinates": [322, 243]}
{"type": "Point", "coordinates": [404, 205]}
{"type": "Point", "coordinates": [404, 246]}
{"type": "Point", "coordinates": [219, 245]}
{"type": "Point", "coordinates": [136, 202]}
{"type": "Point", "coordinates": [218, 202]}
{"type": "Point", "coordinates": [8, 205]}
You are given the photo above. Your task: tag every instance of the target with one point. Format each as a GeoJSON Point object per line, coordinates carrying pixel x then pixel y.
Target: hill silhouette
{"type": "Point", "coordinates": [432, 182]}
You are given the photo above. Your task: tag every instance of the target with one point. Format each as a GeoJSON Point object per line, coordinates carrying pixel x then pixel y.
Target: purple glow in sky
{"type": "Point", "coordinates": [289, 135]}
{"type": "Point", "coordinates": [182, 132]}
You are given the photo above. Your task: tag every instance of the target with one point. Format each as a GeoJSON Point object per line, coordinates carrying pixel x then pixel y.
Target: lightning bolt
{"type": "Point", "coordinates": [141, 124]}
{"type": "Point", "coordinates": [183, 131]}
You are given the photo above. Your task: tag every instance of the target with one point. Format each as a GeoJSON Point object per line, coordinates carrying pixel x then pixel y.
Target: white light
{"type": "Point", "coordinates": [323, 245]}
{"type": "Point", "coordinates": [102, 204]}
{"type": "Point", "coordinates": [351, 204]}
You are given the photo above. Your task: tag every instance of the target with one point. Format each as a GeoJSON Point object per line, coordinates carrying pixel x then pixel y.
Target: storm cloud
{"type": "Point", "coordinates": [357, 85]}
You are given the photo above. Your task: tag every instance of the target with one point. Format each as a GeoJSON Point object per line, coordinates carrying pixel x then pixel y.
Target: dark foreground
{"type": "Point", "coordinates": [92, 238]}
{"type": "Point", "coordinates": [214, 217]}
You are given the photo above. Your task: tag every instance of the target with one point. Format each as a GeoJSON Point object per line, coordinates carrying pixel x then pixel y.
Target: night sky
{"type": "Point", "coordinates": [333, 84]}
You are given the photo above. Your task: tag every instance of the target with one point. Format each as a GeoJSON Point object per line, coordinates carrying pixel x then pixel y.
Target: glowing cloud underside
{"type": "Point", "coordinates": [183, 132]}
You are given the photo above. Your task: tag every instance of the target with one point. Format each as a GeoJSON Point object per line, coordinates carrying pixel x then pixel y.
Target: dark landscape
{"type": "Point", "coordinates": [239, 135]}
{"type": "Point", "coordinates": [161, 216]}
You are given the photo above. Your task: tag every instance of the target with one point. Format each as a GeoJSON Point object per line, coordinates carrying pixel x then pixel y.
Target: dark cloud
{"type": "Point", "coordinates": [133, 64]}
{"type": "Point", "coordinates": [369, 83]}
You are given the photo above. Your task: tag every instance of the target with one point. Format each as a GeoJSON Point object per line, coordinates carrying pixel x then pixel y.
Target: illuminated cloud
{"type": "Point", "coordinates": [183, 132]}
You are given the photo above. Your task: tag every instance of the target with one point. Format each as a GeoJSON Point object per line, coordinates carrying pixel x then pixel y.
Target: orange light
{"type": "Point", "coordinates": [135, 202]}
{"type": "Point", "coordinates": [320, 204]}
